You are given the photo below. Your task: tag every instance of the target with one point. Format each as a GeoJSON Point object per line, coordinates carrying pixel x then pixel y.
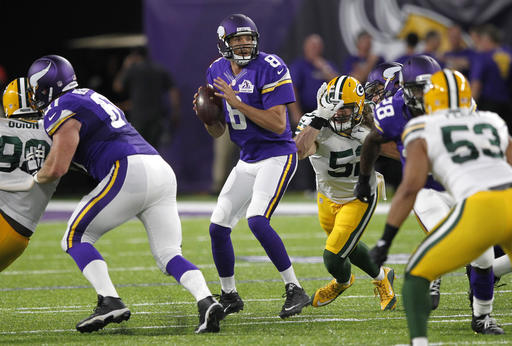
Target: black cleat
{"type": "Point", "coordinates": [485, 324]}
{"type": "Point", "coordinates": [296, 299]}
{"type": "Point", "coordinates": [231, 302]}
{"type": "Point", "coordinates": [435, 292]}
{"type": "Point", "coordinates": [210, 314]}
{"type": "Point", "coordinates": [108, 310]}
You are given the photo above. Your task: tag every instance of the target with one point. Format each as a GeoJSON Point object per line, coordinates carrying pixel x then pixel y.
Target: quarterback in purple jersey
{"type": "Point", "coordinates": [255, 87]}
{"type": "Point", "coordinates": [134, 181]}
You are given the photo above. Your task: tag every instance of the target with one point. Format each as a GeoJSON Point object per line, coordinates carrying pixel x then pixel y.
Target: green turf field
{"type": "Point", "coordinates": [43, 294]}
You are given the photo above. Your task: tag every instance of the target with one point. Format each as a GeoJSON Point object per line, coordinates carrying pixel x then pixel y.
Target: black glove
{"type": "Point", "coordinates": [362, 190]}
{"type": "Point", "coordinates": [379, 253]}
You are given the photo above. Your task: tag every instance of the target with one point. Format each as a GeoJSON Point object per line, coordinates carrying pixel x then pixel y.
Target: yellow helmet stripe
{"type": "Point", "coordinates": [453, 90]}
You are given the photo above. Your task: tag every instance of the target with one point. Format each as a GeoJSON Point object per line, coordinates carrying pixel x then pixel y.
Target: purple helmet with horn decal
{"type": "Point", "coordinates": [383, 81]}
{"type": "Point", "coordinates": [236, 25]}
{"type": "Point", "coordinates": [49, 77]}
{"type": "Point", "coordinates": [414, 76]}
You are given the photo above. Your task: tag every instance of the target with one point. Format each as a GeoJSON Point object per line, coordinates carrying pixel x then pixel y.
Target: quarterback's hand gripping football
{"type": "Point", "coordinates": [325, 109]}
{"type": "Point", "coordinates": [379, 253]}
{"type": "Point", "coordinates": [363, 190]}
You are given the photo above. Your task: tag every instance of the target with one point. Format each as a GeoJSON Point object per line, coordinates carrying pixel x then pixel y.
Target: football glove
{"type": "Point", "coordinates": [363, 190]}
{"type": "Point", "coordinates": [379, 253]}
{"type": "Point", "coordinates": [325, 109]}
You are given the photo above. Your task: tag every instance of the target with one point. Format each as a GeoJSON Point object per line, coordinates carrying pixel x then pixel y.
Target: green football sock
{"type": "Point", "coordinates": [360, 258]}
{"type": "Point", "coordinates": [339, 268]}
{"type": "Point", "coordinates": [417, 304]}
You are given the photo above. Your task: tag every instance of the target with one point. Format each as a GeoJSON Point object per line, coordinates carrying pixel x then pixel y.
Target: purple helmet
{"type": "Point", "coordinates": [236, 25]}
{"type": "Point", "coordinates": [48, 77]}
{"type": "Point", "coordinates": [386, 75]}
{"type": "Point", "coordinates": [415, 75]}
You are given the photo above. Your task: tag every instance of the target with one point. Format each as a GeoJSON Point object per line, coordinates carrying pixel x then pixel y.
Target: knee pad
{"type": "Point", "coordinates": [223, 213]}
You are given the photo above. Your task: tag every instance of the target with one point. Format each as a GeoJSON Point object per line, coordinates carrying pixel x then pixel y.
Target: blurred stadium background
{"type": "Point", "coordinates": [181, 34]}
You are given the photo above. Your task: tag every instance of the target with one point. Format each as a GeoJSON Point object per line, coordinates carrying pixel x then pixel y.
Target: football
{"type": "Point", "coordinates": [209, 107]}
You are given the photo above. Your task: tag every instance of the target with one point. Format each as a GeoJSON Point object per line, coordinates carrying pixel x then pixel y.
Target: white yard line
{"type": "Point", "coordinates": [190, 207]}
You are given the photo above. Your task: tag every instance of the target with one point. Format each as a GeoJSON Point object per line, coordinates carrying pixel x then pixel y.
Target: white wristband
{"type": "Point", "coordinates": [35, 178]}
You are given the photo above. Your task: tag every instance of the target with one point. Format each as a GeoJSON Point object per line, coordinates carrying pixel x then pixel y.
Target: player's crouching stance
{"type": "Point", "coordinates": [479, 178]}
{"type": "Point", "coordinates": [133, 181]}
{"type": "Point", "coordinates": [332, 137]}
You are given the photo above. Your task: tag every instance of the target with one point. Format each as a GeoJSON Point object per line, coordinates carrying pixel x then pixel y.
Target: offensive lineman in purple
{"type": "Point", "coordinates": [264, 83]}
{"type": "Point", "coordinates": [133, 181]}
{"type": "Point", "coordinates": [100, 146]}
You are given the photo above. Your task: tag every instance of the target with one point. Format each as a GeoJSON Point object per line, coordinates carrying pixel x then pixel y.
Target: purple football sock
{"type": "Point", "coordinates": [178, 265]}
{"type": "Point", "coordinates": [482, 283]}
{"type": "Point", "coordinates": [222, 250]}
{"type": "Point", "coordinates": [271, 242]}
{"type": "Point", "coordinates": [83, 254]}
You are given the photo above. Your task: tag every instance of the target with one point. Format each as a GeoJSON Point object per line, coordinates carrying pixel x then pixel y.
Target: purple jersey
{"type": "Point", "coordinates": [465, 54]}
{"type": "Point", "coordinates": [307, 79]}
{"type": "Point", "coordinates": [390, 117]}
{"type": "Point", "coordinates": [263, 83]}
{"type": "Point", "coordinates": [105, 135]}
{"type": "Point", "coordinates": [492, 69]}
{"type": "Point", "coordinates": [350, 64]}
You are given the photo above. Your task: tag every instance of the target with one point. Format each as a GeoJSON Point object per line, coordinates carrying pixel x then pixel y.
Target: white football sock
{"type": "Point", "coordinates": [97, 274]}
{"type": "Point", "coordinates": [193, 281]}
{"type": "Point", "coordinates": [380, 277]}
{"type": "Point", "coordinates": [481, 307]}
{"type": "Point", "coordinates": [420, 341]}
{"type": "Point", "coordinates": [228, 284]}
{"type": "Point", "coordinates": [288, 276]}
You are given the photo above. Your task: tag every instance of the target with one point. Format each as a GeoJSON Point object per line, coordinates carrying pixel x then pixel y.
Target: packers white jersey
{"type": "Point", "coordinates": [466, 149]}
{"type": "Point", "coordinates": [23, 147]}
{"type": "Point", "coordinates": [336, 161]}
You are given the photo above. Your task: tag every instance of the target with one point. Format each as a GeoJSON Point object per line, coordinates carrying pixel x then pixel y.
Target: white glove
{"type": "Point", "coordinates": [325, 109]}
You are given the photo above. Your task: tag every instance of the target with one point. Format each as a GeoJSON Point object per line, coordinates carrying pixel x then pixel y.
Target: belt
{"type": "Point", "coordinates": [501, 187]}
